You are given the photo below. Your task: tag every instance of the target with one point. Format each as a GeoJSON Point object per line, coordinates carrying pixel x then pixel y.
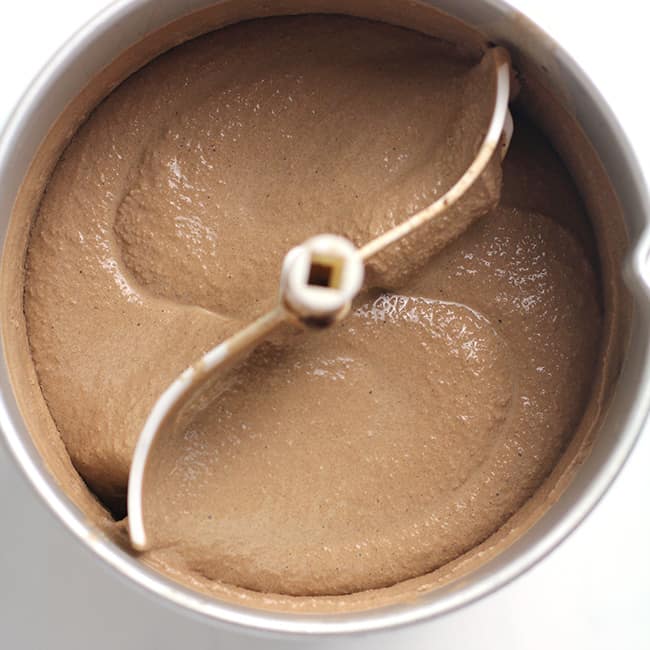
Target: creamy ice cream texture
{"type": "Point", "coordinates": [335, 462]}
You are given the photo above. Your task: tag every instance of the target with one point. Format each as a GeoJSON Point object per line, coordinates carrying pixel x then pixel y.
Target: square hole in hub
{"type": "Point", "coordinates": [325, 271]}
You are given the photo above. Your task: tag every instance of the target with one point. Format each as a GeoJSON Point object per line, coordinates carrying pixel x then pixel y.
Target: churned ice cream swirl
{"type": "Point", "coordinates": [334, 462]}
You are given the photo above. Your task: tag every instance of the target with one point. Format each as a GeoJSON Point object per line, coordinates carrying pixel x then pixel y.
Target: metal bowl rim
{"type": "Point", "coordinates": [203, 607]}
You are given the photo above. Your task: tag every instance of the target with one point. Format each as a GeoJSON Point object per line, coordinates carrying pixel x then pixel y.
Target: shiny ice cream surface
{"type": "Point", "coordinates": [357, 457]}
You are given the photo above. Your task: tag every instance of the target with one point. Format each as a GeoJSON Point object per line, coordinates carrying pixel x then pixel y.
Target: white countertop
{"type": "Point", "coordinates": [593, 592]}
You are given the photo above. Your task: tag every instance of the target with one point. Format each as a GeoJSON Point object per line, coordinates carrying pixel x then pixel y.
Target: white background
{"type": "Point", "coordinates": [592, 593]}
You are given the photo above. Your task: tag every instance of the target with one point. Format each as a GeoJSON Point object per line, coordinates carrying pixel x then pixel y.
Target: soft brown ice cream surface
{"type": "Point", "coordinates": [343, 460]}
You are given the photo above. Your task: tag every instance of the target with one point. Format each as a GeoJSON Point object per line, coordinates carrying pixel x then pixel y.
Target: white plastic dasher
{"type": "Point", "coordinates": [319, 280]}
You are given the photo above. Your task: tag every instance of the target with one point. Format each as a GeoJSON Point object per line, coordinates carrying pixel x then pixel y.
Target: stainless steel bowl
{"type": "Point", "coordinates": [123, 24]}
